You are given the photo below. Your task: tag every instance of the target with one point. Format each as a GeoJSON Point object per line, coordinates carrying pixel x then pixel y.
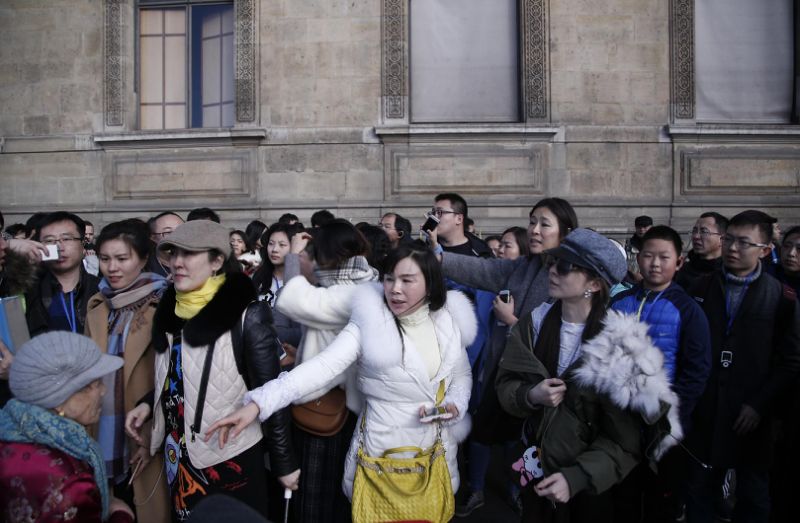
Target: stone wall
{"type": "Point", "coordinates": [598, 121]}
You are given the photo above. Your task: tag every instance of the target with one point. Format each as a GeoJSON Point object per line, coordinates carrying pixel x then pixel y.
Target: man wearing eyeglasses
{"type": "Point", "coordinates": [706, 254]}
{"type": "Point", "coordinates": [755, 340]}
{"type": "Point", "coordinates": [58, 300]}
{"type": "Point", "coordinates": [451, 209]}
{"type": "Point", "coordinates": [161, 226]}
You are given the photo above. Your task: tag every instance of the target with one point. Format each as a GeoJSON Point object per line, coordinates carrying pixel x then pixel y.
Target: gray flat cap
{"type": "Point", "coordinates": [593, 251]}
{"type": "Point", "coordinates": [199, 235]}
{"type": "Point", "coordinates": [51, 367]}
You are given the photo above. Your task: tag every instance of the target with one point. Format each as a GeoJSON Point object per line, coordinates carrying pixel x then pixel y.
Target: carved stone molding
{"type": "Point", "coordinates": [113, 68]}
{"type": "Point", "coordinates": [395, 54]}
{"type": "Point", "coordinates": [535, 53]}
{"type": "Point", "coordinates": [682, 29]}
{"type": "Point", "coordinates": [245, 36]}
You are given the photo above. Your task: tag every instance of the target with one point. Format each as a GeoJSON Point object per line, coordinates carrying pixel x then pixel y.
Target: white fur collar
{"type": "Point", "coordinates": [456, 327]}
{"type": "Point", "coordinates": [623, 364]}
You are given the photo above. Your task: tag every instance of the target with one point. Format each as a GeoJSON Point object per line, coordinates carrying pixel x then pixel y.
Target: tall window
{"type": "Point", "coordinates": [745, 63]}
{"type": "Point", "coordinates": [464, 61]}
{"type": "Point", "coordinates": [186, 66]}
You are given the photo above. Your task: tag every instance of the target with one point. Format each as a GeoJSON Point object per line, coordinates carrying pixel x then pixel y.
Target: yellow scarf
{"type": "Point", "coordinates": [188, 304]}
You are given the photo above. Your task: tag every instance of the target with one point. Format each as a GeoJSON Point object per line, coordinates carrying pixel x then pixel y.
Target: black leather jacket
{"type": "Point", "coordinates": [255, 345]}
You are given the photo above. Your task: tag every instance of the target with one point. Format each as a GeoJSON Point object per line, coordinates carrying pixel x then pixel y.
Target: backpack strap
{"type": "Point", "coordinates": [201, 395]}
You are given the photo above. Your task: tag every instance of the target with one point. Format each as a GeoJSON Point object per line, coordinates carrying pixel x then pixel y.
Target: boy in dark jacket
{"type": "Point", "coordinates": [755, 340]}
{"type": "Point", "coordinates": [680, 330]}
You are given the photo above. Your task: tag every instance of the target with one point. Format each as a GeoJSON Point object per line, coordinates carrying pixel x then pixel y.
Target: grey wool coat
{"type": "Point", "coordinates": [526, 278]}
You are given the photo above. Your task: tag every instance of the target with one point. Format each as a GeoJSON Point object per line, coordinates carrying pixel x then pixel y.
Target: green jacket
{"type": "Point", "coordinates": [594, 436]}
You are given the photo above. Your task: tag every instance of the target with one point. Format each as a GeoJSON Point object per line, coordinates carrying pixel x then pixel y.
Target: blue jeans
{"type": "Point", "coordinates": [703, 487]}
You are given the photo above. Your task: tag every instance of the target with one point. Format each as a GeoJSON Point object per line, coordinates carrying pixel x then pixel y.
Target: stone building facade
{"type": "Point", "coordinates": [322, 118]}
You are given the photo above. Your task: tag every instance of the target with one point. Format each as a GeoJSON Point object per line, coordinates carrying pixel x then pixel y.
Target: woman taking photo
{"type": "Point", "coordinates": [245, 252]}
{"type": "Point", "coordinates": [407, 338]}
{"type": "Point", "coordinates": [119, 319]}
{"type": "Point", "coordinates": [50, 469]}
{"type": "Point", "coordinates": [584, 379]}
{"type": "Point", "coordinates": [213, 342]}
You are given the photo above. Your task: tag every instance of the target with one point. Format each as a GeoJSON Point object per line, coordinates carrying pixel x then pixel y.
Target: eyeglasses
{"type": "Point", "coordinates": [704, 232]}
{"type": "Point", "coordinates": [161, 235]}
{"type": "Point", "coordinates": [439, 212]}
{"type": "Point", "coordinates": [50, 240]}
{"type": "Point", "coordinates": [563, 267]}
{"type": "Point", "coordinates": [741, 243]}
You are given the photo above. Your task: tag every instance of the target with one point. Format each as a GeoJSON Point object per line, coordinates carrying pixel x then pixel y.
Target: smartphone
{"type": "Point", "coordinates": [435, 414]}
{"type": "Point", "coordinates": [431, 223]}
{"type": "Point", "coordinates": [52, 253]}
{"type": "Point", "coordinates": [505, 295]}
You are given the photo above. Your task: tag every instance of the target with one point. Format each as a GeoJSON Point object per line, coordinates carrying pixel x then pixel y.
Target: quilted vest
{"type": "Point", "coordinates": [226, 389]}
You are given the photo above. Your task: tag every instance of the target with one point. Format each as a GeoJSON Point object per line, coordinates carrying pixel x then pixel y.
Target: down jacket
{"type": "Point", "coordinates": [594, 436]}
{"type": "Point", "coordinates": [245, 356]}
{"type": "Point", "coordinates": [392, 377]}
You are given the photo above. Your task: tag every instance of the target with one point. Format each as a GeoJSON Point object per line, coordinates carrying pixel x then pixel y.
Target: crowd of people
{"type": "Point", "coordinates": [176, 370]}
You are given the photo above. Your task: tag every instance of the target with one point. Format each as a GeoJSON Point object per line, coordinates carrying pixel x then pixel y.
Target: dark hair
{"type": "Point", "coordinates": [263, 276]}
{"type": "Point", "coordinates": [663, 232]}
{"type": "Point", "coordinates": [202, 213]}
{"type": "Point", "coordinates": [322, 217]}
{"type": "Point", "coordinates": [458, 203]}
{"type": "Point", "coordinates": [468, 222]}
{"type": "Point", "coordinates": [288, 217]}
{"type": "Point", "coordinates": [248, 247]}
{"type": "Point", "coordinates": [158, 216]}
{"type": "Point", "coordinates": [133, 231]}
{"type": "Point", "coordinates": [521, 237]}
{"type": "Point", "coordinates": [379, 245]}
{"type": "Point", "coordinates": [495, 237]}
{"type": "Point", "coordinates": [549, 344]}
{"type": "Point", "coordinates": [33, 223]}
{"type": "Point", "coordinates": [16, 228]}
{"type": "Point", "coordinates": [755, 218]}
{"type": "Point", "coordinates": [429, 266]}
{"type": "Point", "coordinates": [792, 231]}
{"type": "Point", "coordinates": [253, 232]}
{"type": "Point", "coordinates": [61, 216]}
{"type": "Point", "coordinates": [337, 241]}
{"type": "Point", "coordinates": [643, 221]}
{"type": "Point", "coordinates": [2, 220]}
{"type": "Point", "coordinates": [563, 211]}
{"type": "Point", "coordinates": [719, 220]}
{"type": "Point", "coordinates": [401, 224]}
{"type": "Point", "coordinates": [230, 264]}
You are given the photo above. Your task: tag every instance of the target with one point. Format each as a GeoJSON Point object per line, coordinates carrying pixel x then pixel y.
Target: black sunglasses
{"type": "Point", "coordinates": [564, 267]}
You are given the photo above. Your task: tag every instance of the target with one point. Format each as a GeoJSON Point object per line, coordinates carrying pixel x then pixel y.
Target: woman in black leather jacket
{"type": "Point", "coordinates": [214, 341]}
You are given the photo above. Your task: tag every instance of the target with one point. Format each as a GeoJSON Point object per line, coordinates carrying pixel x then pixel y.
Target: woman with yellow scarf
{"type": "Point", "coordinates": [214, 341]}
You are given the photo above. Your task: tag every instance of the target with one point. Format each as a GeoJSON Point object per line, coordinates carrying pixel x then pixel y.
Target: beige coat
{"type": "Point", "coordinates": [138, 380]}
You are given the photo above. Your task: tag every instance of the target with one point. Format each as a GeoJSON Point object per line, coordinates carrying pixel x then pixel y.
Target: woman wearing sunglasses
{"type": "Point", "coordinates": [584, 379]}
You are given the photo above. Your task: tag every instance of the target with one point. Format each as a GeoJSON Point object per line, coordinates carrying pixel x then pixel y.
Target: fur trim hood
{"type": "Point", "coordinates": [17, 275]}
{"type": "Point", "coordinates": [215, 319]}
{"type": "Point", "coordinates": [623, 364]}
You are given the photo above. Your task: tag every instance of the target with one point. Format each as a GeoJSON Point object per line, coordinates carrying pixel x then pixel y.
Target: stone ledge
{"type": "Point", "coordinates": [180, 138]}
{"type": "Point", "coordinates": [707, 133]}
{"type": "Point", "coordinates": [467, 133]}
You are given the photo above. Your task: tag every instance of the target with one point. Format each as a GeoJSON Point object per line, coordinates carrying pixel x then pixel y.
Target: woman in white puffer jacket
{"type": "Point", "coordinates": [406, 339]}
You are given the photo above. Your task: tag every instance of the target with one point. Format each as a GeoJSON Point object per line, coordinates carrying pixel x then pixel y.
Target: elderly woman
{"type": "Point", "coordinates": [213, 341]}
{"type": "Point", "coordinates": [119, 319]}
{"type": "Point", "coordinates": [50, 469]}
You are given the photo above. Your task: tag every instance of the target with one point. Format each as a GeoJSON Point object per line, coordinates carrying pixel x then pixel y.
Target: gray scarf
{"type": "Point", "coordinates": [352, 271]}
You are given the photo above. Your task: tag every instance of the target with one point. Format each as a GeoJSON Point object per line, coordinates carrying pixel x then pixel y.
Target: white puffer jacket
{"type": "Point", "coordinates": [393, 380]}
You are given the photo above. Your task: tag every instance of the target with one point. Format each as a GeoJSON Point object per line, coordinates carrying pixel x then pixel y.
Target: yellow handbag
{"type": "Point", "coordinates": [387, 489]}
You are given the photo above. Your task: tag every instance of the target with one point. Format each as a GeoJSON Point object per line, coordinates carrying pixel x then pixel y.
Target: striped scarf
{"type": "Point", "coordinates": [124, 304]}
{"type": "Point", "coordinates": [352, 271]}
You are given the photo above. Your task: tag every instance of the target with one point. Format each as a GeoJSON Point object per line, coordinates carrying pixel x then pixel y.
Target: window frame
{"type": "Point", "coordinates": [187, 4]}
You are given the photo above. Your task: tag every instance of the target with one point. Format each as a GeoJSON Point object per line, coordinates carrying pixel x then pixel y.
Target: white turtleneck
{"type": "Point", "coordinates": [418, 327]}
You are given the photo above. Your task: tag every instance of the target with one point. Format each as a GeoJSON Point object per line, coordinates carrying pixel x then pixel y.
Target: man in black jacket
{"type": "Point", "coordinates": [706, 253]}
{"type": "Point", "coordinates": [58, 300]}
{"type": "Point", "coordinates": [755, 339]}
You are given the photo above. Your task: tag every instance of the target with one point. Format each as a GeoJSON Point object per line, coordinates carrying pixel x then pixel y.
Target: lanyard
{"type": "Point", "coordinates": [71, 312]}
{"type": "Point", "coordinates": [277, 283]}
{"type": "Point", "coordinates": [641, 305]}
{"type": "Point", "coordinates": [732, 310]}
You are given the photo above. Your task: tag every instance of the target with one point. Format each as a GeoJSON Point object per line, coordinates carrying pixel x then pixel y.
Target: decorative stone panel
{"type": "Point", "coordinates": [114, 80]}
{"type": "Point", "coordinates": [246, 71]}
{"type": "Point", "coordinates": [682, 40]}
{"type": "Point", "coordinates": [740, 171]}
